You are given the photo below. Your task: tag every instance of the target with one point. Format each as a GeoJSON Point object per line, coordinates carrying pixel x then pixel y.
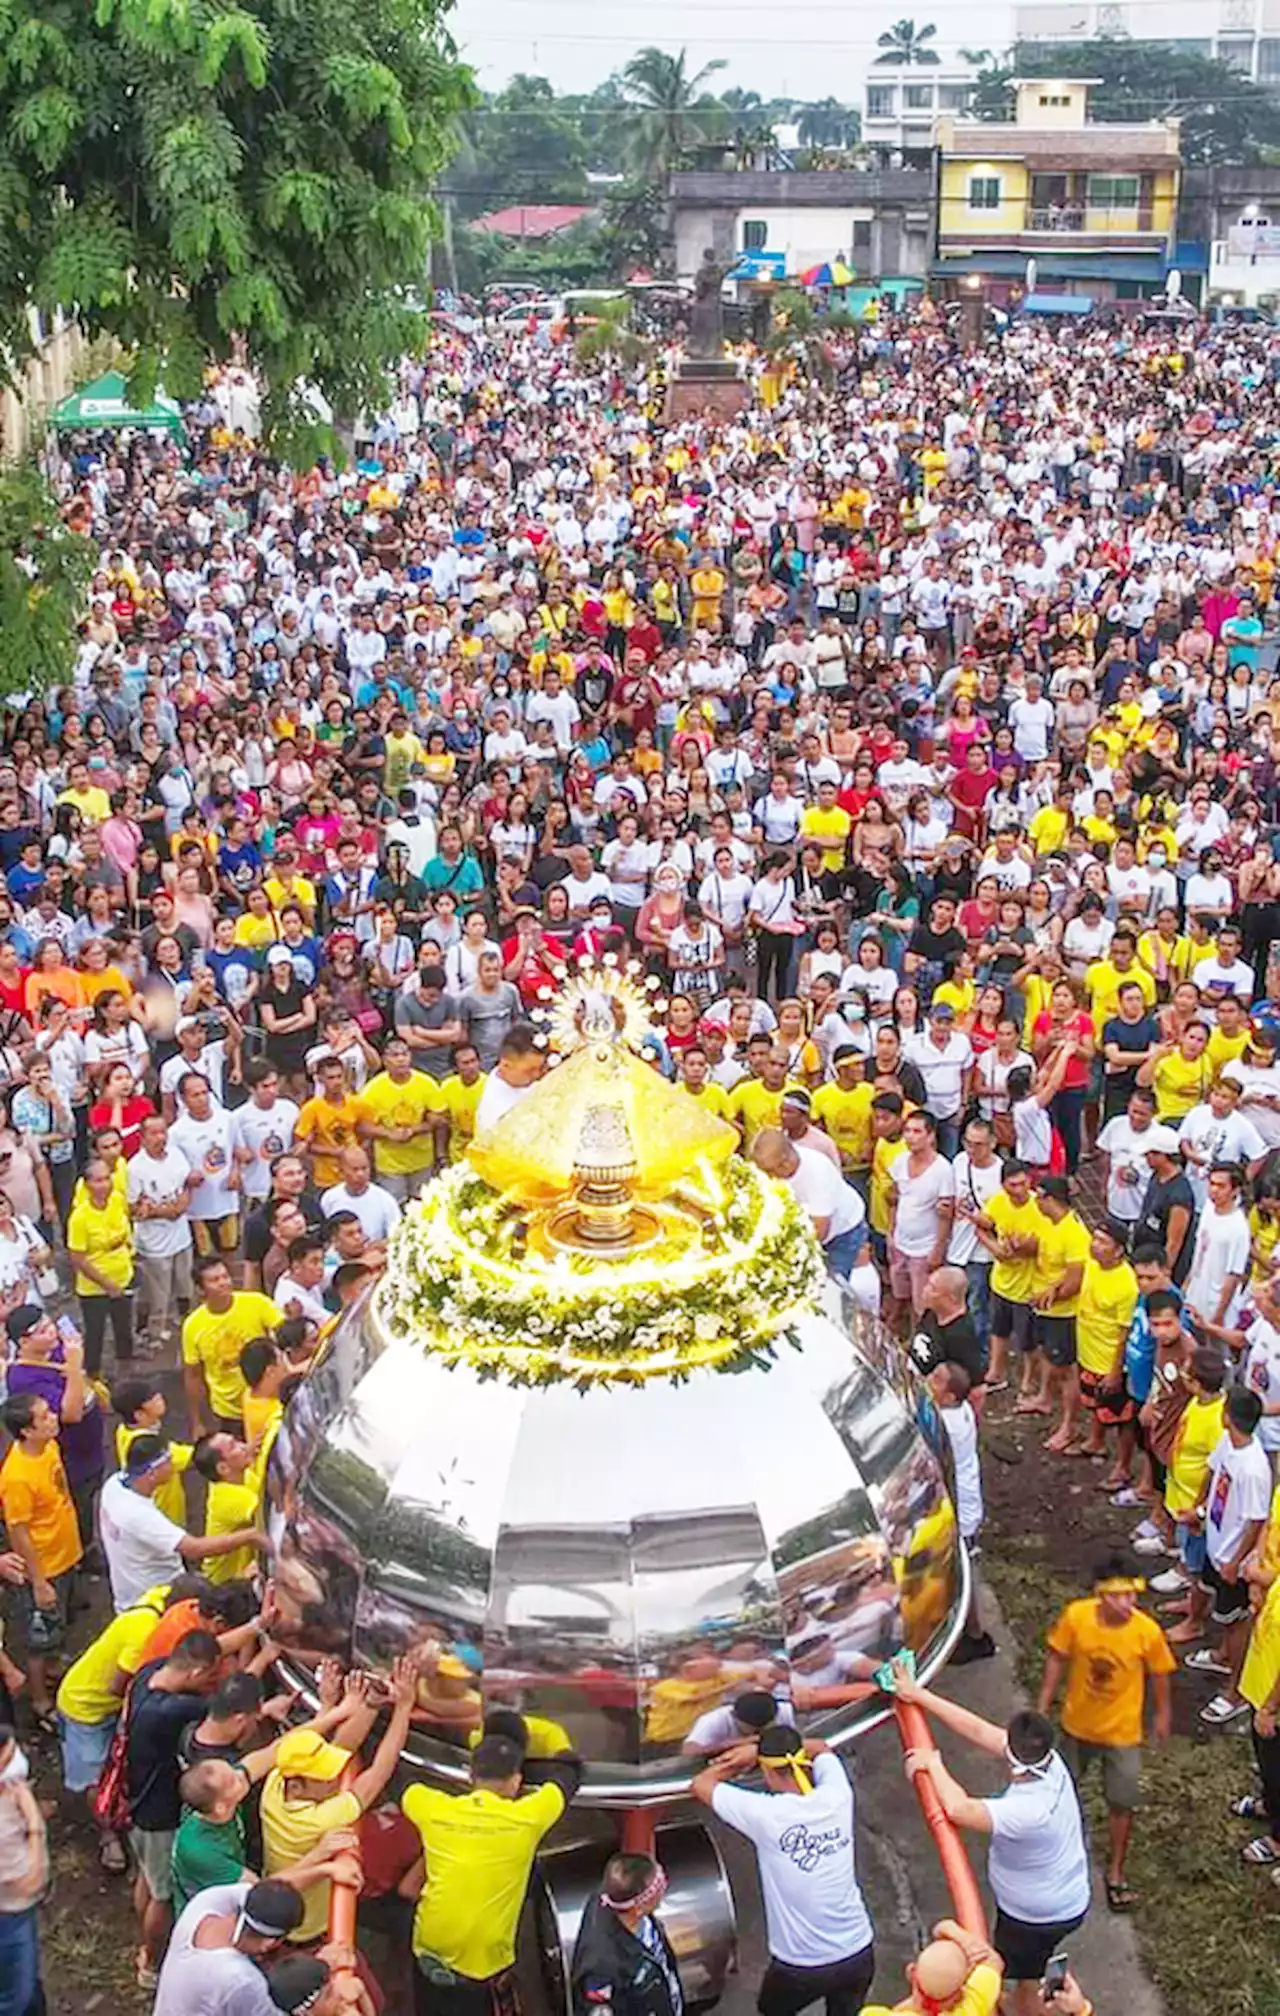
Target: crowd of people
{"type": "Point", "coordinates": [916, 731]}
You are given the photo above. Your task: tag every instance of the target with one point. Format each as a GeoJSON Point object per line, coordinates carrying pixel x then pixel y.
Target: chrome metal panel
{"type": "Point", "coordinates": [615, 1562]}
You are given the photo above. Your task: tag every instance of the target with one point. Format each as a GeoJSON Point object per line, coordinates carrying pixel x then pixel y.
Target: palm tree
{"type": "Point", "coordinates": [905, 43]}
{"type": "Point", "coordinates": [670, 108]}
{"type": "Point", "coordinates": [828, 123]}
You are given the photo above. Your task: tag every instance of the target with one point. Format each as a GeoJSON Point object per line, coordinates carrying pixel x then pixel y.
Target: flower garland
{"type": "Point", "coordinates": [458, 1283]}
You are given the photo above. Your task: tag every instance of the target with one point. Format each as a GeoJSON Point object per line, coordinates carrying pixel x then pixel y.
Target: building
{"type": "Point", "coordinates": [1094, 204]}
{"type": "Point", "coordinates": [1243, 33]}
{"type": "Point", "coordinates": [773, 223]}
{"type": "Point", "coordinates": [1230, 218]}
{"type": "Point", "coordinates": [532, 220]}
{"type": "Point", "coordinates": [900, 107]}
{"type": "Point", "coordinates": [40, 383]}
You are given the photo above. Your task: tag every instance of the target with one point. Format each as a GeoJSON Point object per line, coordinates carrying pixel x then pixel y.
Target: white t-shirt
{"type": "Point", "coordinates": [140, 1543]}
{"type": "Point", "coordinates": [1032, 1132]}
{"type": "Point", "coordinates": [1128, 1175]}
{"type": "Point", "coordinates": [993, 1078]}
{"type": "Point", "coordinates": [1211, 976]}
{"type": "Point", "coordinates": [1261, 1373]}
{"type": "Point", "coordinates": [127, 1045]}
{"type": "Point", "coordinates": [974, 1186]}
{"type": "Point", "coordinates": [719, 1727]}
{"type": "Point", "coordinates": [267, 1131]}
{"type": "Point", "coordinates": [1233, 1139]}
{"type": "Point", "coordinates": [496, 1101]}
{"type": "Point", "coordinates": [1222, 1246]}
{"type": "Point", "coordinates": [211, 1981]}
{"type": "Point", "coordinates": [1237, 1491]}
{"type": "Point", "coordinates": [211, 1065]}
{"type": "Point", "coordinates": [376, 1208]}
{"type": "Point", "coordinates": [1258, 1085]}
{"type": "Point", "coordinates": [814, 1910]}
{"type": "Point", "coordinates": [294, 1298]}
{"type": "Point", "coordinates": [915, 1229]}
{"type": "Point", "coordinates": [942, 1070]}
{"type": "Point", "coordinates": [818, 1186]}
{"type": "Point", "coordinates": [1037, 1865]}
{"type": "Point", "coordinates": [626, 895]}
{"type": "Point", "coordinates": [207, 1147]}
{"type": "Point", "coordinates": [160, 1182]}
{"type": "Point", "coordinates": [961, 1424]}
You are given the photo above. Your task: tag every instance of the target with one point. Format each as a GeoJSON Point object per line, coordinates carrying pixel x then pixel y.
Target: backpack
{"type": "Point", "coordinates": [111, 1808]}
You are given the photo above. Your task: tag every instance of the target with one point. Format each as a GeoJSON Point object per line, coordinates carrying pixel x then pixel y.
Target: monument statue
{"type": "Point", "coordinates": [706, 321]}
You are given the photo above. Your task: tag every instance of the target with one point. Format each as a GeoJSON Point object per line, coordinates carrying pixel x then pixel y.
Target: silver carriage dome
{"type": "Point", "coordinates": [603, 1446]}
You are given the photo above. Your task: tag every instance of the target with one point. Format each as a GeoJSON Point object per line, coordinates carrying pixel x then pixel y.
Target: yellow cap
{"type": "Point", "coordinates": [303, 1753]}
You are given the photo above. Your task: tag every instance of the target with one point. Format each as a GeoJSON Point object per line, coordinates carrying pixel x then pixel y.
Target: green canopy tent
{"type": "Point", "coordinates": [106, 403]}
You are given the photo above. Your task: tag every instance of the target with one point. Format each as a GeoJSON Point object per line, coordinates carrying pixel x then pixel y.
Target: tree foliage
{"type": "Point", "coordinates": [1227, 119]}
{"type": "Point", "coordinates": [45, 569]}
{"type": "Point", "coordinates": [522, 145]}
{"type": "Point", "coordinates": [183, 173]}
{"type": "Point", "coordinates": [671, 112]}
{"type": "Point", "coordinates": [828, 123]}
{"type": "Point", "coordinates": [905, 43]}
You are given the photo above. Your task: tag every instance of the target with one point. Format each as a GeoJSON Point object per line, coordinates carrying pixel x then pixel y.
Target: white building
{"type": "Point", "coordinates": [900, 105]}
{"type": "Point", "coordinates": [1244, 33]}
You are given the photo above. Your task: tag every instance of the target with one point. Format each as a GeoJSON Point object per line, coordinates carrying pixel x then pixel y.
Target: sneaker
{"type": "Point", "coordinates": [970, 1649]}
{"type": "Point", "coordinates": [1206, 1660]}
{"type": "Point", "coordinates": [1169, 1583]}
{"type": "Point", "coordinates": [1150, 1545]}
{"type": "Point", "coordinates": [1146, 1529]}
{"type": "Point", "coordinates": [1125, 1499]}
{"type": "Point", "coordinates": [1220, 1711]}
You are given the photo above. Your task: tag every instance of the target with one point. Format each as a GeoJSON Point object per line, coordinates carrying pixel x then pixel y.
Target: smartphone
{"type": "Point", "coordinates": [1054, 1978]}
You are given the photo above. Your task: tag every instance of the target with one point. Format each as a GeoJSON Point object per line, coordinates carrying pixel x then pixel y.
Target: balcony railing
{"type": "Point", "coordinates": [1090, 218]}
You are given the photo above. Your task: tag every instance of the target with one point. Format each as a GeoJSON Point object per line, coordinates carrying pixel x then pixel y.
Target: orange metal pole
{"type": "Point", "coordinates": [966, 1898]}
{"type": "Point", "coordinates": [343, 1896]}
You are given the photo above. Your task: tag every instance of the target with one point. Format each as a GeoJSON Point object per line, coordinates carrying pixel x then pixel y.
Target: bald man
{"type": "Point", "coordinates": [957, 1974]}
{"type": "Point", "coordinates": [945, 1333]}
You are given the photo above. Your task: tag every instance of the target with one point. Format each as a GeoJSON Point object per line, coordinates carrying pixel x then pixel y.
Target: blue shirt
{"type": "Point", "coordinates": [1140, 1352]}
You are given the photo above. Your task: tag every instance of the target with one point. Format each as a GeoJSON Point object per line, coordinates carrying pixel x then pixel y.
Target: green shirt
{"type": "Point", "coordinates": [206, 1852]}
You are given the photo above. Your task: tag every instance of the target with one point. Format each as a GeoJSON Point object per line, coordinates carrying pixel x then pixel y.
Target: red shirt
{"type": "Point", "coordinates": [14, 997]}
{"type": "Point", "coordinates": [132, 1114]}
{"type": "Point", "coordinates": [1078, 1069]}
{"type": "Point", "coordinates": [969, 794]}
{"type": "Point", "coordinates": [536, 973]}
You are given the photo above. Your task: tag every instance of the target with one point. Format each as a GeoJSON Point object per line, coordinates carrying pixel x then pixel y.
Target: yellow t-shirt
{"type": "Point", "coordinates": [884, 1155]}
{"type": "Point", "coordinates": [1108, 1298]}
{"type": "Point", "coordinates": [458, 1102]}
{"type": "Point", "coordinates": [290, 1830]}
{"type": "Point", "coordinates": [957, 994]}
{"type": "Point", "coordinates": [260, 1415]}
{"type": "Point", "coordinates": [302, 892]}
{"type": "Point", "coordinates": [253, 933]}
{"type": "Point", "coordinates": [479, 1852]}
{"type": "Point", "coordinates": [1107, 1668]}
{"type": "Point", "coordinates": [1015, 1279]}
{"type": "Point", "coordinates": [1266, 1233]}
{"type": "Point", "coordinates": [1177, 955]}
{"type": "Point", "coordinates": [1261, 1667]}
{"type": "Point", "coordinates": [92, 804]}
{"type": "Point", "coordinates": [34, 1494]}
{"type": "Point", "coordinates": [1103, 982]}
{"type": "Point", "coordinates": [1037, 993]}
{"type": "Point", "coordinates": [1222, 1050]}
{"type": "Point", "coordinates": [712, 1098]}
{"type": "Point", "coordinates": [847, 1119]}
{"type": "Point", "coordinates": [1180, 1083]}
{"type": "Point", "coordinates": [169, 1497]}
{"type": "Point", "coordinates": [981, 1996]}
{"type": "Point", "coordinates": [1048, 830]}
{"type": "Point", "coordinates": [1062, 1245]}
{"type": "Point", "coordinates": [1198, 1435]}
{"type": "Point", "coordinates": [330, 1129]}
{"type": "Point", "coordinates": [217, 1341]}
{"type": "Point", "coordinates": [85, 1693]}
{"type": "Point", "coordinates": [104, 1237]}
{"type": "Point", "coordinates": [832, 828]}
{"type": "Point", "coordinates": [754, 1107]}
{"type": "Point", "coordinates": [228, 1508]}
{"type": "Point", "coordinates": [386, 1104]}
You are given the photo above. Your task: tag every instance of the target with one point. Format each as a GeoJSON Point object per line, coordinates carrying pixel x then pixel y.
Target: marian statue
{"type": "Point", "coordinates": [706, 321]}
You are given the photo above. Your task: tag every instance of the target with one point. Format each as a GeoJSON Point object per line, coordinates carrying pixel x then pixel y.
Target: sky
{"type": "Point", "coordinates": [800, 49]}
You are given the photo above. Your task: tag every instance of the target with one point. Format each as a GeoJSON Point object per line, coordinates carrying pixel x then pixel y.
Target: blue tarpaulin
{"type": "Point", "coordinates": [1058, 304]}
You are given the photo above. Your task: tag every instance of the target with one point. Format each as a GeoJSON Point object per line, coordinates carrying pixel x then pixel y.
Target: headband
{"type": "Point", "coordinates": [797, 1762]}
{"type": "Point", "coordinates": [644, 1900]}
{"type": "Point", "coordinates": [1120, 1585]}
{"type": "Point", "coordinates": [246, 1922]}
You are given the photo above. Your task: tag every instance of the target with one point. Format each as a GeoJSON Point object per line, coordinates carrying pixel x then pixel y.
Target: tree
{"type": "Point", "coordinates": [905, 43]}
{"type": "Point", "coordinates": [1227, 120]}
{"type": "Point", "coordinates": [45, 568]}
{"type": "Point", "coordinates": [828, 123]}
{"type": "Point", "coordinates": [186, 174]}
{"type": "Point", "coordinates": [519, 146]}
{"type": "Point", "coordinates": [670, 111]}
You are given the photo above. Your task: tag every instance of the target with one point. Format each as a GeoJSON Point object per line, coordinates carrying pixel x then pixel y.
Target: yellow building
{"type": "Point", "coordinates": [1094, 203]}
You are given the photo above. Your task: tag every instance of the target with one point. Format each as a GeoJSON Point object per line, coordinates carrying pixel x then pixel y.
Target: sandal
{"type": "Point", "coordinates": [1248, 1807]}
{"type": "Point", "coordinates": [1263, 1853]}
{"type": "Point", "coordinates": [111, 1855]}
{"type": "Point", "coordinates": [46, 1720]}
{"type": "Point", "coordinates": [1119, 1896]}
{"type": "Point", "coordinates": [146, 1976]}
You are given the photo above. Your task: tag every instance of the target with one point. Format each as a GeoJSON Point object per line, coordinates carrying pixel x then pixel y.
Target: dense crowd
{"type": "Point", "coordinates": [916, 731]}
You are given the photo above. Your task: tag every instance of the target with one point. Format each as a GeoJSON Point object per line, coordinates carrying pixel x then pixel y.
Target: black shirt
{"type": "Point", "coordinates": [156, 1723]}
{"type": "Point", "coordinates": [954, 1343]}
{"type": "Point", "coordinates": [1134, 1036]}
{"type": "Point", "coordinates": [936, 946]}
{"type": "Point", "coordinates": [1159, 1201]}
{"type": "Point", "coordinates": [257, 1231]}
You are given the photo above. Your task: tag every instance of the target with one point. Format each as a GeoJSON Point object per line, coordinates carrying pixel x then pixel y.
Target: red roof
{"type": "Point", "coordinates": [532, 220]}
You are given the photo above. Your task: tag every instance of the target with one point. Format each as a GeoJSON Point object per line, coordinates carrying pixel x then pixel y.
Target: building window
{"type": "Point", "coordinates": [1113, 192]}
{"type": "Point", "coordinates": [1054, 98]}
{"type": "Point", "coordinates": [984, 192]}
{"type": "Point", "coordinates": [755, 234]}
{"type": "Point", "coordinates": [880, 103]}
{"type": "Point", "coordinates": [862, 234]}
{"type": "Point", "coordinates": [954, 97]}
{"type": "Point", "coordinates": [1237, 55]}
{"type": "Point", "coordinates": [918, 97]}
{"type": "Point", "coordinates": [1269, 60]}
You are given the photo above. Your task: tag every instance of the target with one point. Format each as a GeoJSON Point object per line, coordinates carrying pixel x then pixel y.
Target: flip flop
{"type": "Point", "coordinates": [1120, 1897]}
{"type": "Point", "coordinates": [1248, 1807]}
{"type": "Point", "coordinates": [1263, 1853]}
{"type": "Point", "coordinates": [111, 1855]}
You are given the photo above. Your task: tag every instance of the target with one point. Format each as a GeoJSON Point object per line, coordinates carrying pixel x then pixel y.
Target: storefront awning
{"type": "Point", "coordinates": [105, 403]}
{"type": "Point", "coordinates": [1057, 304]}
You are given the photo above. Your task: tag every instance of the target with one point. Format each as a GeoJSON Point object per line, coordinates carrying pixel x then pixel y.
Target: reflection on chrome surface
{"type": "Point", "coordinates": [617, 1563]}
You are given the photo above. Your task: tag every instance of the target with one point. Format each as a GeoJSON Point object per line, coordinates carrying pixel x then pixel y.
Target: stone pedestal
{"type": "Point", "coordinates": [706, 385]}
